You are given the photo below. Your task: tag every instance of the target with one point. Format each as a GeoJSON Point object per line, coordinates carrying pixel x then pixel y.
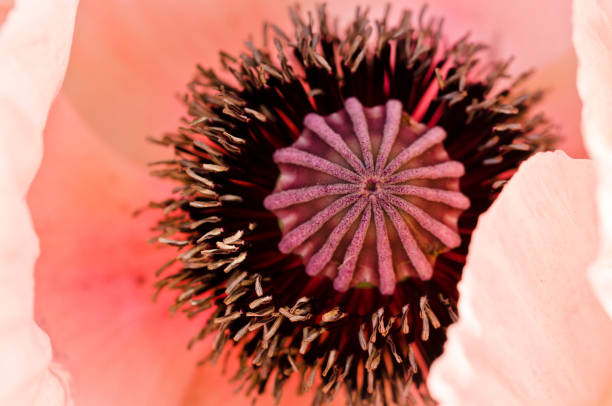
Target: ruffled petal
{"type": "Point", "coordinates": [530, 331]}
{"type": "Point", "coordinates": [593, 42]}
{"type": "Point", "coordinates": [35, 42]}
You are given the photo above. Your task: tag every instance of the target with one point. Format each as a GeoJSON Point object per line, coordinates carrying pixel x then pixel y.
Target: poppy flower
{"type": "Point", "coordinates": [325, 199]}
{"type": "Point", "coordinates": [93, 280]}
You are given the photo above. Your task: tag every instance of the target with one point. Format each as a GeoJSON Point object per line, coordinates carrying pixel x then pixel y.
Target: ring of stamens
{"type": "Point", "coordinates": [365, 192]}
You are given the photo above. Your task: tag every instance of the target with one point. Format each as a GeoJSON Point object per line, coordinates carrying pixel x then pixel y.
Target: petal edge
{"type": "Point", "coordinates": [530, 330]}
{"type": "Point", "coordinates": [593, 42]}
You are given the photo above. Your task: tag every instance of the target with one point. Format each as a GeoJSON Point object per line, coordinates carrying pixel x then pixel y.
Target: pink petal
{"type": "Point", "coordinates": [5, 7]}
{"type": "Point", "coordinates": [95, 276]}
{"type": "Point", "coordinates": [34, 45]}
{"type": "Point", "coordinates": [593, 41]}
{"type": "Point", "coordinates": [530, 330]}
{"type": "Point", "coordinates": [130, 61]}
{"type": "Point", "coordinates": [520, 29]}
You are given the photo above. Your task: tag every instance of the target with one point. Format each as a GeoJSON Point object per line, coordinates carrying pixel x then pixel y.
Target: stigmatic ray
{"type": "Point", "coordinates": [393, 169]}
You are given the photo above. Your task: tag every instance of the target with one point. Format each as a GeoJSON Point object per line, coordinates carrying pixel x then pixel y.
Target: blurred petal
{"type": "Point", "coordinates": [530, 330]}
{"type": "Point", "coordinates": [95, 276]}
{"type": "Point", "coordinates": [5, 7]}
{"type": "Point", "coordinates": [35, 42]}
{"type": "Point", "coordinates": [130, 62]}
{"type": "Point", "coordinates": [521, 30]}
{"type": "Point", "coordinates": [593, 41]}
{"type": "Point", "coordinates": [125, 85]}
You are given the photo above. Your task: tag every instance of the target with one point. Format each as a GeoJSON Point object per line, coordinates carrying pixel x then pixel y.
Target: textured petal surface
{"type": "Point", "coordinates": [35, 42]}
{"type": "Point", "coordinates": [531, 332]}
{"type": "Point", "coordinates": [593, 41]}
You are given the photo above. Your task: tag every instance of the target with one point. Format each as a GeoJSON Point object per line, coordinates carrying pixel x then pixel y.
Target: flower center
{"type": "Point", "coordinates": [367, 196]}
{"type": "Point", "coordinates": [371, 185]}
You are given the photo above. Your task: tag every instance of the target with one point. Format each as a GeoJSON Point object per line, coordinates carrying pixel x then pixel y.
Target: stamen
{"type": "Point", "coordinates": [432, 91]}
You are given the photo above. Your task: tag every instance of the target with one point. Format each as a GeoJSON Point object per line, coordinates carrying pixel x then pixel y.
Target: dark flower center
{"type": "Point", "coordinates": [328, 183]}
{"type": "Point", "coordinates": [371, 185]}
